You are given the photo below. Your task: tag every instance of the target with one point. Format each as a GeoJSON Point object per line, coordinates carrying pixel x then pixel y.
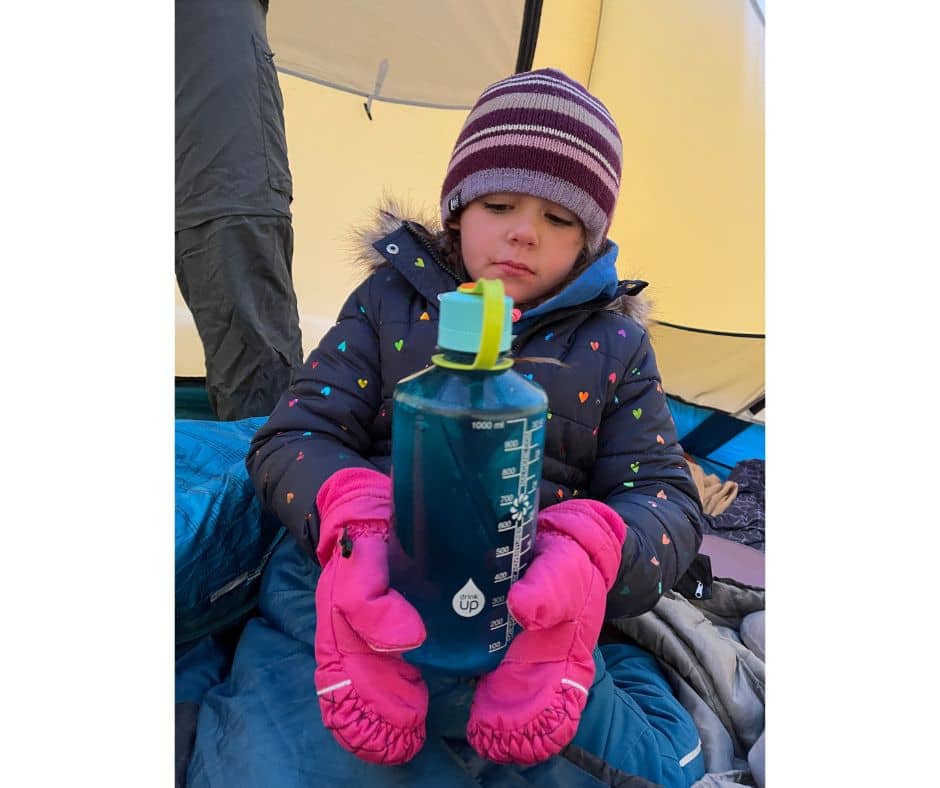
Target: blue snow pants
{"type": "Point", "coordinates": [261, 724]}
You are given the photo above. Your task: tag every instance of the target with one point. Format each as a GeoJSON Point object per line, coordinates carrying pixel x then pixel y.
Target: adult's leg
{"type": "Point", "coordinates": [235, 275]}
{"type": "Point", "coordinates": [231, 145]}
{"type": "Point", "coordinates": [233, 194]}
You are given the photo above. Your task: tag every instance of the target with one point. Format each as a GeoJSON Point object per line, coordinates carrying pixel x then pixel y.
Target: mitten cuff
{"type": "Point", "coordinates": [597, 528]}
{"type": "Point", "coordinates": [357, 497]}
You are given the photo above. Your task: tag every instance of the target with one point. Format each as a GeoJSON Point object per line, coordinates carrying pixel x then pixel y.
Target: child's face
{"type": "Point", "coordinates": [530, 243]}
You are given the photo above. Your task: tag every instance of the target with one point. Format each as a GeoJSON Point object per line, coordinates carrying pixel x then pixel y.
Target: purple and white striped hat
{"type": "Point", "coordinates": [539, 133]}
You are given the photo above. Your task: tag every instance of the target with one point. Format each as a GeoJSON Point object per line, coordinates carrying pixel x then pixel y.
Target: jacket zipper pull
{"type": "Point", "coordinates": [699, 589]}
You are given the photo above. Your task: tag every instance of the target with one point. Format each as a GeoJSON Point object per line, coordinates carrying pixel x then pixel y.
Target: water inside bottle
{"type": "Point", "coordinates": [466, 499]}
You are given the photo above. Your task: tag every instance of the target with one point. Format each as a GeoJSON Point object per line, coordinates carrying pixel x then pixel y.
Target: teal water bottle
{"type": "Point", "coordinates": [468, 435]}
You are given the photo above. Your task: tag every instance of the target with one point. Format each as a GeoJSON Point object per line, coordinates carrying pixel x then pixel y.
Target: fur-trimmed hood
{"type": "Point", "coordinates": [386, 216]}
{"type": "Point", "coordinates": [390, 214]}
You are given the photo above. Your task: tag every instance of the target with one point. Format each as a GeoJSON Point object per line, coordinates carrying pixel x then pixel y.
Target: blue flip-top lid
{"type": "Point", "coordinates": [461, 322]}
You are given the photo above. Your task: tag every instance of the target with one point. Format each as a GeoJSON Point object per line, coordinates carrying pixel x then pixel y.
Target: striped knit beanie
{"type": "Point", "coordinates": [539, 133]}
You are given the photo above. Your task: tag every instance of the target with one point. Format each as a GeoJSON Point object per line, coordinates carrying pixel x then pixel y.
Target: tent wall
{"type": "Point", "coordinates": [331, 43]}
{"type": "Point", "coordinates": [685, 81]}
{"type": "Point", "coordinates": [683, 78]}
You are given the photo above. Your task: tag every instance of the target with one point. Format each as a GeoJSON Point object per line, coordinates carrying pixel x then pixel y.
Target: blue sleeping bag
{"type": "Point", "coordinates": [223, 539]}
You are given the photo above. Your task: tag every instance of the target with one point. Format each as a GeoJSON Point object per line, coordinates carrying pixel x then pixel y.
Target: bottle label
{"type": "Point", "coordinates": [469, 600]}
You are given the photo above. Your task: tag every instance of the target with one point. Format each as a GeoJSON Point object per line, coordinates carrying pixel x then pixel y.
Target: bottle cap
{"type": "Point", "coordinates": [476, 318]}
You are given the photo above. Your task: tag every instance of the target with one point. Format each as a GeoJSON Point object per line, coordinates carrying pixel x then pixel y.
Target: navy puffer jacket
{"type": "Point", "coordinates": [610, 435]}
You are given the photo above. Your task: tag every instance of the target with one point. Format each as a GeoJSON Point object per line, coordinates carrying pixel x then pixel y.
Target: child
{"type": "Point", "coordinates": [527, 198]}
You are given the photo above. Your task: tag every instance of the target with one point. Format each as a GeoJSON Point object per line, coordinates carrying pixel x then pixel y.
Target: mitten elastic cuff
{"type": "Point", "coordinates": [597, 528]}
{"type": "Point", "coordinates": [352, 495]}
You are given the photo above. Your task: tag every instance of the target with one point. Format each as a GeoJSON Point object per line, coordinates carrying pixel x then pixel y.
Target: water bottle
{"type": "Point", "coordinates": [468, 435]}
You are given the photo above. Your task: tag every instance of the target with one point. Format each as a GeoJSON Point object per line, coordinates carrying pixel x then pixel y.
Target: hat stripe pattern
{"type": "Point", "coordinates": [606, 145]}
{"type": "Point", "coordinates": [542, 113]}
{"type": "Point", "coordinates": [525, 151]}
{"type": "Point", "coordinates": [543, 134]}
{"type": "Point", "coordinates": [525, 132]}
{"type": "Point", "coordinates": [560, 82]}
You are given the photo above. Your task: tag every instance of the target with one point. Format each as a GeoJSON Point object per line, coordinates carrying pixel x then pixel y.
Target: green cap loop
{"type": "Point", "coordinates": [470, 325]}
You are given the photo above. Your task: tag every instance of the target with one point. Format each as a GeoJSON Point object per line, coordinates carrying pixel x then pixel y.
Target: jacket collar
{"type": "Point", "coordinates": [597, 285]}
{"type": "Point", "coordinates": [416, 262]}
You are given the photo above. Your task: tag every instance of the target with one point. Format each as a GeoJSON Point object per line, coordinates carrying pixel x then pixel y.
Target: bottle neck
{"type": "Point", "coordinates": [461, 359]}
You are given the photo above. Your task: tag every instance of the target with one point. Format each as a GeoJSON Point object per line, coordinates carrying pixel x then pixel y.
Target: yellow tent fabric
{"type": "Point", "coordinates": [684, 80]}
{"type": "Point", "coordinates": [383, 50]}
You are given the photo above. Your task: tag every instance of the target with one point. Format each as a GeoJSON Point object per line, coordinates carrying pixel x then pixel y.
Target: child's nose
{"type": "Point", "coordinates": [523, 230]}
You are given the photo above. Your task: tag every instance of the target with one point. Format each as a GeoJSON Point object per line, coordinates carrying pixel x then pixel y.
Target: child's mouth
{"type": "Point", "coordinates": [510, 268]}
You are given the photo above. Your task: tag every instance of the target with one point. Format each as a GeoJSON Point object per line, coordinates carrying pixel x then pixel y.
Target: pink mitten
{"type": "Point", "coordinates": [373, 701]}
{"type": "Point", "coordinates": [529, 708]}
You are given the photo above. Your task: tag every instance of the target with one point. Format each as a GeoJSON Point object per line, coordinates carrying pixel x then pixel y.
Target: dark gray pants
{"type": "Point", "coordinates": [235, 276]}
{"type": "Point", "coordinates": [234, 240]}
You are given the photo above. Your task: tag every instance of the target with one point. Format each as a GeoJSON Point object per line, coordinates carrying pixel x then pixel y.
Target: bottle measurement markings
{"type": "Point", "coordinates": [522, 509]}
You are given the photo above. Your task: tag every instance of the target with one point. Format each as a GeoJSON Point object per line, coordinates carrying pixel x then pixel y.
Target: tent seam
{"type": "Point", "coordinates": [357, 92]}
{"type": "Point", "coordinates": [713, 332]}
{"type": "Point", "coordinates": [597, 34]}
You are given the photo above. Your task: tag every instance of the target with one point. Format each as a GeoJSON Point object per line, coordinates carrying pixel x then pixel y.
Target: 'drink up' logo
{"type": "Point", "coordinates": [468, 601]}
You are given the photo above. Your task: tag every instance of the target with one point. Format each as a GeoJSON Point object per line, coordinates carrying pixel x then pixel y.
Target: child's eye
{"type": "Point", "coordinates": [555, 219]}
{"type": "Point", "coordinates": [497, 207]}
